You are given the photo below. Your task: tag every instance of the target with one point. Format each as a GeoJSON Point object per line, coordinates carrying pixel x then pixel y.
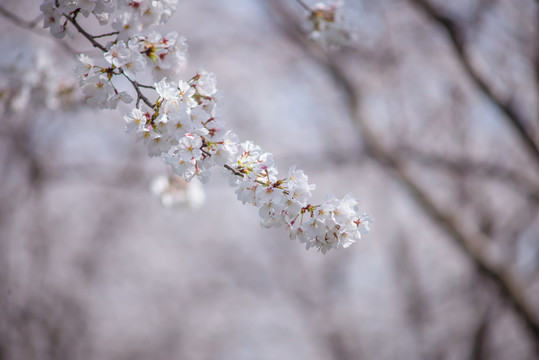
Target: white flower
{"type": "Point", "coordinates": [185, 169]}
{"type": "Point", "coordinates": [363, 223]}
{"type": "Point", "coordinates": [225, 152]}
{"type": "Point", "coordinates": [167, 90]}
{"type": "Point", "coordinates": [135, 120]}
{"type": "Point", "coordinates": [156, 144]}
{"type": "Point", "coordinates": [247, 189]}
{"type": "Point", "coordinates": [190, 146]}
{"type": "Point", "coordinates": [85, 67]}
{"type": "Point", "coordinates": [112, 102]}
{"type": "Point", "coordinates": [52, 18]}
{"type": "Point", "coordinates": [179, 121]}
{"type": "Point", "coordinates": [127, 58]}
{"type": "Point", "coordinates": [86, 6]}
{"type": "Point", "coordinates": [98, 89]}
{"type": "Point", "coordinates": [118, 55]}
{"type": "Point", "coordinates": [315, 227]}
{"type": "Point", "coordinates": [166, 55]}
{"type": "Point", "coordinates": [271, 215]}
{"type": "Point", "coordinates": [270, 194]}
{"type": "Point", "coordinates": [206, 84]}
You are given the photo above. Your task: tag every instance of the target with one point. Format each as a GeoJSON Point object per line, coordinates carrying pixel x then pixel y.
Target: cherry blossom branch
{"type": "Point", "coordinates": [182, 128]}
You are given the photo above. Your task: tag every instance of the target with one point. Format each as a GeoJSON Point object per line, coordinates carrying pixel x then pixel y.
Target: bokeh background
{"type": "Point", "coordinates": [429, 116]}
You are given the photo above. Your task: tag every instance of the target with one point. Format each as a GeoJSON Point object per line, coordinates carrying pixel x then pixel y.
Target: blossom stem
{"type": "Point", "coordinates": [140, 96]}
{"type": "Point", "coordinates": [232, 170]}
{"type": "Point", "coordinates": [146, 86]}
{"type": "Point", "coordinates": [107, 34]}
{"type": "Point", "coordinates": [90, 38]}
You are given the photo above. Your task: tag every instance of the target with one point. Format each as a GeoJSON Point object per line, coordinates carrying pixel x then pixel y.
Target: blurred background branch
{"type": "Point", "coordinates": [475, 245]}
{"type": "Point", "coordinates": [457, 40]}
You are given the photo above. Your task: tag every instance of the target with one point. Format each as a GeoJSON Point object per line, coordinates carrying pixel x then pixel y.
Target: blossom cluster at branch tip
{"type": "Point", "coordinates": [183, 127]}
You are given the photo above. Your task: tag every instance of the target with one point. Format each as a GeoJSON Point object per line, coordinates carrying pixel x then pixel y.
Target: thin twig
{"type": "Point", "coordinates": [140, 95]}
{"type": "Point", "coordinates": [85, 34]}
{"type": "Point", "coordinates": [146, 86]}
{"type": "Point", "coordinates": [107, 34]}
{"type": "Point", "coordinates": [234, 171]}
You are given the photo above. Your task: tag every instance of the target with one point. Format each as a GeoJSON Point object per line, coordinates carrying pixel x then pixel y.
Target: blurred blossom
{"type": "Point", "coordinates": [328, 25]}
{"type": "Point", "coordinates": [33, 79]}
{"type": "Point", "coordinates": [175, 192]}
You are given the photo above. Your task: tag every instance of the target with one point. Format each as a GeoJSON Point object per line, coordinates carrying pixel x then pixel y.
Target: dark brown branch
{"type": "Point", "coordinates": [146, 86]}
{"type": "Point", "coordinates": [519, 124]}
{"type": "Point", "coordinates": [90, 38]}
{"type": "Point", "coordinates": [140, 95]}
{"type": "Point", "coordinates": [107, 34]}
{"type": "Point", "coordinates": [232, 170]}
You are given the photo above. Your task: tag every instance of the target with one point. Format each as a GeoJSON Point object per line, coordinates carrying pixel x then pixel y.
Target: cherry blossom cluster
{"type": "Point", "coordinates": [32, 79]}
{"type": "Point", "coordinates": [285, 201]}
{"type": "Point", "coordinates": [181, 125]}
{"type": "Point", "coordinates": [124, 15]}
{"type": "Point", "coordinates": [183, 128]}
{"type": "Point", "coordinates": [163, 55]}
